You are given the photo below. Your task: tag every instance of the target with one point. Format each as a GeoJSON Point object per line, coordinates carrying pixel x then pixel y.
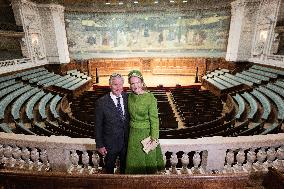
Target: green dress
{"type": "Point", "coordinates": [144, 122]}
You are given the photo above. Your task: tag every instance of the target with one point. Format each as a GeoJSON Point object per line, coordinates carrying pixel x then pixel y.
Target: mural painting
{"type": "Point", "coordinates": [192, 33]}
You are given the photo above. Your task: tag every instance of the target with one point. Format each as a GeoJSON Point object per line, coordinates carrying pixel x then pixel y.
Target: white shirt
{"type": "Point", "coordinates": [113, 97]}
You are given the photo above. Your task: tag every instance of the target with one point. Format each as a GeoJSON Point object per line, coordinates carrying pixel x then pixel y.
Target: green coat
{"type": "Point", "coordinates": [144, 122]}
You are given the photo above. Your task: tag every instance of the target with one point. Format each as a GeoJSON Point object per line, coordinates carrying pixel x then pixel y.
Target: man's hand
{"type": "Point", "coordinates": [102, 151]}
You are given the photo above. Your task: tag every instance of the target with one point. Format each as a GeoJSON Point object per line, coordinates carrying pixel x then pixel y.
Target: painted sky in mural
{"type": "Point", "coordinates": [194, 32]}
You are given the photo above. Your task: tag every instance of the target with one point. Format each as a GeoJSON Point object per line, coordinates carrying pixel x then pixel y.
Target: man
{"type": "Point", "coordinates": [112, 122]}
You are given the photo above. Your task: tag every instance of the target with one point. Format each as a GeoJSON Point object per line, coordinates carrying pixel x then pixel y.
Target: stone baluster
{"type": "Point", "coordinates": [185, 162]}
{"type": "Point", "coordinates": [96, 162]}
{"type": "Point", "coordinates": [35, 158]}
{"type": "Point", "coordinates": [251, 157]}
{"type": "Point", "coordinates": [17, 155]}
{"type": "Point", "coordinates": [174, 162]}
{"type": "Point", "coordinates": [45, 163]}
{"type": "Point", "coordinates": [271, 155]}
{"type": "Point", "coordinates": [26, 158]}
{"type": "Point", "coordinates": [196, 162]}
{"type": "Point", "coordinates": [240, 157]}
{"type": "Point", "coordinates": [1, 153]}
{"type": "Point", "coordinates": [74, 158]}
{"type": "Point", "coordinates": [8, 156]}
{"type": "Point", "coordinates": [279, 162]}
{"type": "Point", "coordinates": [230, 157]}
{"type": "Point", "coordinates": [261, 156]}
{"type": "Point", "coordinates": [85, 161]}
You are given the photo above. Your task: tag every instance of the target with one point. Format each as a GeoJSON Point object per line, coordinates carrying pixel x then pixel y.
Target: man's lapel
{"type": "Point", "coordinates": [111, 106]}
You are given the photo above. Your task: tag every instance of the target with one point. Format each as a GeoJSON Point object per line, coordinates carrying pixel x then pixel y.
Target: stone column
{"type": "Point", "coordinates": [25, 16]}
{"type": "Point", "coordinates": [271, 19]}
{"type": "Point", "coordinates": [53, 27]}
{"type": "Point", "coordinates": [243, 19]}
{"type": "Point", "coordinates": [32, 44]}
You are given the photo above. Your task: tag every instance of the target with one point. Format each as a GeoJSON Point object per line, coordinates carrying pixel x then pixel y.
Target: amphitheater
{"type": "Point", "coordinates": [215, 67]}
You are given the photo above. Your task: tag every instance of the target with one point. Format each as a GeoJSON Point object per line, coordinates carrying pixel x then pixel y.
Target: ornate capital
{"type": "Point", "coordinates": [244, 3]}
{"type": "Point", "coordinates": [28, 4]}
{"type": "Point", "coordinates": [52, 7]}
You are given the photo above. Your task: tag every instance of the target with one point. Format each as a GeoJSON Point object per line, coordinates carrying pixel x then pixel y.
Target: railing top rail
{"type": "Point", "coordinates": [219, 142]}
{"type": "Point", "coordinates": [46, 142]}
{"type": "Point", "coordinates": [199, 144]}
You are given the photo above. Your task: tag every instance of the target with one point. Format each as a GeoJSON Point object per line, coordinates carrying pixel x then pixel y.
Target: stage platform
{"type": "Point", "coordinates": [158, 80]}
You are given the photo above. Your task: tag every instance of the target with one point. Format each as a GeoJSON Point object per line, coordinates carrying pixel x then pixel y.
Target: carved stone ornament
{"type": "Point", "coordinates": [17, 155]}
{"type": "Point", "coordinates": [8, 156]}
{"type": "Point", "coordinates": [96, 162]}
{"type": "Point", "coordinates": [35, 158]}
{"type": "Point", "coordinates": [26, 157]}
{"type": "Point", "coordinates": [279, 162]}
{"type": "Point", "coordinates": [251, 157]}
{"type": "Point", "coordinates": [196, 162]}
{"type": "Point", "coordinates": [85, 161]}
{"type": "Point", "coordinates": [240, 157]}
{"type": "Point", "coordinates": [258, 49]}
{"type": "Point", "coordinates": [25, 154]}
{"type": "Point", "coordinates": [271, 155]}
{"type": "Point", "coordinates": [29, 22]}
{"type": "Point", "coordinates": [261, 156]}
{"type": "Point", "coordinates": [174, 161]}
{"type": "Point", "coordinates": [74, 158]}
{"type": "Point", "coordinates": [196, 159]}
{"type": "Point", "coordinates": [185, 162]}
{"type": "Point", "coordinates": [45, 164]}
{"type": "Point", "coordinates": [230, 157]}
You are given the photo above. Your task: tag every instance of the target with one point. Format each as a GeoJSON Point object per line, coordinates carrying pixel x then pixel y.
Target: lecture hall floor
{"type": "Point", "coordinates": [155, 80]}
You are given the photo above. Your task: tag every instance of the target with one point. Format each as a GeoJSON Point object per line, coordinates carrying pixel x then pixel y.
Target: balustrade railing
{"type": "Point", "coordinates": [19, 64]}
{"type": "Point", "coordinates": [276, 57]}
{"type": "Point", "coordinates": [181, 156]}
{"type": "Point", "coordinates": [6, 63]}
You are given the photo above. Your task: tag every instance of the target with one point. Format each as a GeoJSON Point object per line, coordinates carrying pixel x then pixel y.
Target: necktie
{"type": "Point", "coordinates": [119, 108]}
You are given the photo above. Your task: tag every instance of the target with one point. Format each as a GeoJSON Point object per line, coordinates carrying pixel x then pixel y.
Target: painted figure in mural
{"type": "Point", "coordinates": [121, 38]}
{"type": "Point", "coordinates": [178, 34]}
{"type": "Point", "coordinates": [144, 122]}
{"type": "Point", "coordinates": [146, 32]}
{"type": "Point", "coordinates": [92, 40]}
{"type": "Point", "coordinates": [106, 39]}
{"type": "Point", "coordinates": [171, 35]}
{"type": "Point", "coordinates": [161, 38]}
{"type": "Point", "coordinates": [199, 38]}
{"type": "Point", "coordinates": [112, 124]}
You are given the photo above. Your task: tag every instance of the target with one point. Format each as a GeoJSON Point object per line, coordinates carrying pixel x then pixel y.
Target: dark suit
{"type": "Point", "coordinates": [112, 131]}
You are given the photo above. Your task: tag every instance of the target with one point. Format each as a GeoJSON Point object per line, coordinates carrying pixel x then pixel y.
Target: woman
{"type": "Point", "coordinates": [144, 122]}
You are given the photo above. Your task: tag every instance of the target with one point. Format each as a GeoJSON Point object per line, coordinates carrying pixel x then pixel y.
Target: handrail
{"type": "Point", "coordinates": [59, 153]}
{"type": "Point", "coordinates": [6, 63]}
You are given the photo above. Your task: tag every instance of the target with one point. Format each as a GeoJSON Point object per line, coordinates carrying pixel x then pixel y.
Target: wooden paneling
{"type": "Point", "coordinates": [17, 180]}
{"type": "Point", "coordinates": [108, 66]}
{"type": "Point", "coordinates": [156, 66]}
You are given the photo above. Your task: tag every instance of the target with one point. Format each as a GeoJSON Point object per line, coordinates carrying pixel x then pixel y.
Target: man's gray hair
{"type": "Point", "coordinates": [115, 75]}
